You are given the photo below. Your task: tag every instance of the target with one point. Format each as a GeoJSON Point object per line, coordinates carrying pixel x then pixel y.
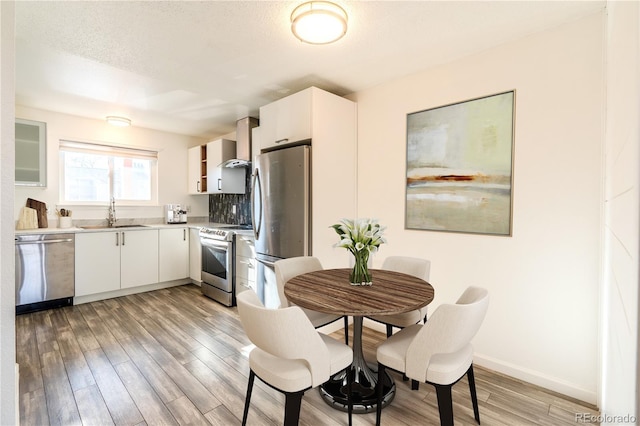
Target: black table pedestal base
{"type": "Point", "coordinates": [363, 385]}
{"type": "Point", "coordinates": [363, 392]}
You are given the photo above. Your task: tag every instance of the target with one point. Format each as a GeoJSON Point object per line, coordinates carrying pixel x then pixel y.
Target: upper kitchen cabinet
{"type": "Point", "coordinates": [287, 120]}
{"type": "Point", "coordinates": [206, 176]}
{"type": "Point", "coordinates": [197, 170]}
{"type": "Point", "coordinates": [31, 153]}
{"type": "Point", "coordinates": [223, 180]}
{"type": "Point", "coordinates": [330, 122]}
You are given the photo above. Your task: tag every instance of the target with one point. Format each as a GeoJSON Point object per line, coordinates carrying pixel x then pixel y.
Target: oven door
{"type": "Point", "coordinates": [217, 264]}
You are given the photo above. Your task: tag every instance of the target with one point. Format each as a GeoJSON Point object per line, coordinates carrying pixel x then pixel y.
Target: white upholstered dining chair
{"type": "Point", "coordinates": [438, 352]}
{"type": "Point", "coordinates": [409, 265]}
{"type": "Point", "coordinates": [288, 268]}
{"type": "Point", "coordinates": [289, 355]}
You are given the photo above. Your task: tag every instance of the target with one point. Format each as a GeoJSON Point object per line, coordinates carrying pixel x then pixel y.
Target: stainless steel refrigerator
{"type": "Point", "coordinates": [281, 212]}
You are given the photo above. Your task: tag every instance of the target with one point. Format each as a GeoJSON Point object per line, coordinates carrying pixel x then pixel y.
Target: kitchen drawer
{"type": "Point", "coordinates": [245, 246]}
{"type": "Point", "coordinates": [246, 268]}
{"type": "Point", "coordinates": [244, 285]}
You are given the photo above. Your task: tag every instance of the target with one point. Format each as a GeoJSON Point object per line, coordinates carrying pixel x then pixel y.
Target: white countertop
{"type": "Point", "coordinates": [196, 225]}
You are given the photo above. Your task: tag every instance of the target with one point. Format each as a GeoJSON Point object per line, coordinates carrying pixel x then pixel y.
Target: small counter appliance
{"type": "Point", "coordinates": [175, 214]}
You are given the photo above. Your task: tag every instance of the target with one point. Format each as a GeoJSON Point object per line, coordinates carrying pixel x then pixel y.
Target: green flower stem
{"type": "Point", "coordinates": [360, 274]}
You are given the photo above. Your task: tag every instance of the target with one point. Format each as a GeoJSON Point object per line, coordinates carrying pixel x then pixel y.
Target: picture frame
{"type": "Point", "coordinates": [459, 166]}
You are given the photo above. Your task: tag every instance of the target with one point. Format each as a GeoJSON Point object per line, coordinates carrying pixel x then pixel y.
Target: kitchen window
{"type": "Point", "coordinates": [92, 173]}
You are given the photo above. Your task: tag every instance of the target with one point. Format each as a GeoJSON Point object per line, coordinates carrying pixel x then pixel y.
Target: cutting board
{"type": "Point", "coordinates": [41, 211]}
{"type": "Point", "coordinates": [28, 219]}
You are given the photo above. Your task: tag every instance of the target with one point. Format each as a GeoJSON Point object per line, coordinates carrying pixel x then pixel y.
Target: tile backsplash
{"type": "Point", "coordinates": [221, 206]}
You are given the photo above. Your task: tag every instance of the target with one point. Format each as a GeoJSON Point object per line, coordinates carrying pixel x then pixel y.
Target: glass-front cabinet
{"type": "Point", "coordinates": [31, 153]}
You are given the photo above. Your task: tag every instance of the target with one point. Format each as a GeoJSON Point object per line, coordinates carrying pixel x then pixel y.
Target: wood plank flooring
{"type": "Point", "coordinates": [173, 356]}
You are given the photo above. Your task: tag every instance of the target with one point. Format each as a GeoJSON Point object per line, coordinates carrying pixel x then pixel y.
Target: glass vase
{"type": "Point", "coordinates": [360, 274]}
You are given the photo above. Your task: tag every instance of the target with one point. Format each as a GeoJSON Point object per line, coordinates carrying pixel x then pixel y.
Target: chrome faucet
{"type": "Point", "coordinates": [111, 220]}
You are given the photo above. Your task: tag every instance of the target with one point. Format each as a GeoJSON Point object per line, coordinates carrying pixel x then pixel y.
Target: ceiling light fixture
{"type": "Point", "coordinates": [319, 22]}
{"type": "Point", "coordinates": [118, 121]}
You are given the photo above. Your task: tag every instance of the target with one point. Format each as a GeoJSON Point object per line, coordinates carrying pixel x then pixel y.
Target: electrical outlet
{"type": "Point", "coordinates": [187, 209]}
{"type": "Point", "coordinates": [233, 209]}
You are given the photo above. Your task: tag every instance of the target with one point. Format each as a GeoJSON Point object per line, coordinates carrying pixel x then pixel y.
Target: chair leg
{"type": "Point", "coordinates": [346, 330]}
{"type": "Point", "coordinates": [379, 392]}
{"type": "Point", "coordinates": [474, 396]}
{"type": "Point", "coordinates": [349, 394]}
{"type": "Point", "coordinates": [415, 385]}
{"type": "Point", "coordinates": [293, 401]}
{"type": "Point", "coordinates": [445, 404]}
{"type": "Point", "coordinates": [389, 330]}
{"type": "Point", "coordinates": [252, 376]}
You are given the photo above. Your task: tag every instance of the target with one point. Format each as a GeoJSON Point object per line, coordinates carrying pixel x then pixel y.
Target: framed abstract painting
{"type": "Point", "coordinates": [460, 166]}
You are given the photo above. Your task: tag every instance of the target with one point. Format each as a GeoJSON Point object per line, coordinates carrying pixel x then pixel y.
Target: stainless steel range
{"type": "Point", "coordinates": [218, 262]}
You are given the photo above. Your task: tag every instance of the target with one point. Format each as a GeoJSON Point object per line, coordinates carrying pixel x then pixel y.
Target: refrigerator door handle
{"type": "Point", "coordinates": [265, 262]}
{"type": "Point", "coordinates": [256, 184]}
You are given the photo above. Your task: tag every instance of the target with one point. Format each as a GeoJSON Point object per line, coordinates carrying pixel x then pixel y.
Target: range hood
{"type": "Point", "coordinates": [243, 143]}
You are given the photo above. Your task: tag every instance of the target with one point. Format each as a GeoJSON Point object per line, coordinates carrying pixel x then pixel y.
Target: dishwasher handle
{"type": "Point", "coordinates": [60, 240]}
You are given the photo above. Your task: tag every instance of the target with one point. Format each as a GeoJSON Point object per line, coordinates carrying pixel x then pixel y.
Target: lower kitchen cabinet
{"type": "Point", "coordinates": [97, 262]}
{"type": "Point", "coordinates": [174, 254]}
{"type": "Point", "coordinates": [195, 256]}
{"type": "Point", "coordinates": [107, 261]}
{"type": "Point", "coordinates": [139, 258]}
{"type": "Point", "coordinates": [245, 263]}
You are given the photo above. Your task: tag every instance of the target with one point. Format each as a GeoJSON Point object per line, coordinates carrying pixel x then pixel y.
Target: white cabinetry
{"type": "Point", "coordinates": [245, 263]}
{"type": "Point", "coordinates": [197, 171]}
{"type": "Point", "coordinates": [173, 254]}
{"type": "Point", "coordinates": [195, 256]}
{"type": "Point", "coordinates": [107, 261]}
{"type": "Point", "coordinates": [286, 120]}
{"type": "Point", "coordinates": [330, 122]}
{"type": "Point", "coordinates": [97, 262]}
{"type": "Point", "coordinates": [139, 258]}
{"type": "Point", "coordinates": [30, 153]}
{"type": "Point", "coordinates": [223, 180]}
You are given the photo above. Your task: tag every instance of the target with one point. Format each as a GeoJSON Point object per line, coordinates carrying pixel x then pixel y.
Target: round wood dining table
{"type": "Point", "coordinates": [329, 291]}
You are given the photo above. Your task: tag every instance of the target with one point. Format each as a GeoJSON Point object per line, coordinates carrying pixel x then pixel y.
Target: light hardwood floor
{"type": "Point", "coordinates": [175, 357]}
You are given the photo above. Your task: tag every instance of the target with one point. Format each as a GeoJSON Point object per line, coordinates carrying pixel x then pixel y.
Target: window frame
{"type": "Point", "coordinates": [111, 151]}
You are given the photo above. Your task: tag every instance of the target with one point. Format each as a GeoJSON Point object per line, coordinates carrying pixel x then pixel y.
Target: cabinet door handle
{"type": "Point", "coordinates": [184, 234]}
{"type": "Point", "coordinates": [283, 140]}
{"type": "Point", "coordinates": [123, 238]}
{"type": "Point", "coordinates": [198, 186]}
{"type": "Point", "coordinates": [219, 184]}
{"type": "Point", "coordinates": [117, 239]}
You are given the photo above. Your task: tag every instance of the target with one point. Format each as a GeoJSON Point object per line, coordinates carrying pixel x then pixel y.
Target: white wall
{"type": "Point", "coordinates": [8, 402]}
{"type": "Point", "coordinates": [172, 164]}
{"type": "Point", "coordinates": [542, 324]}
{"type": "Point", "coordinates": [620, 294]}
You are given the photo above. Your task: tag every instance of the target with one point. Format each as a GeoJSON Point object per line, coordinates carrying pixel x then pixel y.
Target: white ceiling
{"type": "Point", "coordinates": [196, 67]}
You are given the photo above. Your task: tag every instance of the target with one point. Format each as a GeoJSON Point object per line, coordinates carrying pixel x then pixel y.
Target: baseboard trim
{"type": "Point", "coordinates": [515, 371]}
{"type": "Point", "coordinates": [17, 401]}
{"type": "Point", "coordinates": [536, 378]}
{"type": "Point", "coordinates": [334, 326]}
{"type": "Point", "coordinates": [375, 325]}
{"type": "Point", "coordinates": [127, 291]}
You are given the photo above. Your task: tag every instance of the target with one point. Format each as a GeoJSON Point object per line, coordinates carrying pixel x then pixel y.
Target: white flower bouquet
{"type": "Point", "coordinates": [361, 237]}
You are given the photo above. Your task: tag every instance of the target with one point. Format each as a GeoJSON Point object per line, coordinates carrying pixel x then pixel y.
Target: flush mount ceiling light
{"type": "Point", "coordinates": [118, 121]}
{"type": "Point", "coordinates": [319, 22]}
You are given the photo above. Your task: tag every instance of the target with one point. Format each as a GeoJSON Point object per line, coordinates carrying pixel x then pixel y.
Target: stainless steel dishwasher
{"type": "Point", "coordinates": [45, 271]}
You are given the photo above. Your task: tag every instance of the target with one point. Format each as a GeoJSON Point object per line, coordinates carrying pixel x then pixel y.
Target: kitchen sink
{"type": "Point", "coordinates": [112, 227]}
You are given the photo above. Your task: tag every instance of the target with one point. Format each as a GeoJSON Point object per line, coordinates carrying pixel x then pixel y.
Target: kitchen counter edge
{"type": "Point", "coordinates": [77, 230]}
